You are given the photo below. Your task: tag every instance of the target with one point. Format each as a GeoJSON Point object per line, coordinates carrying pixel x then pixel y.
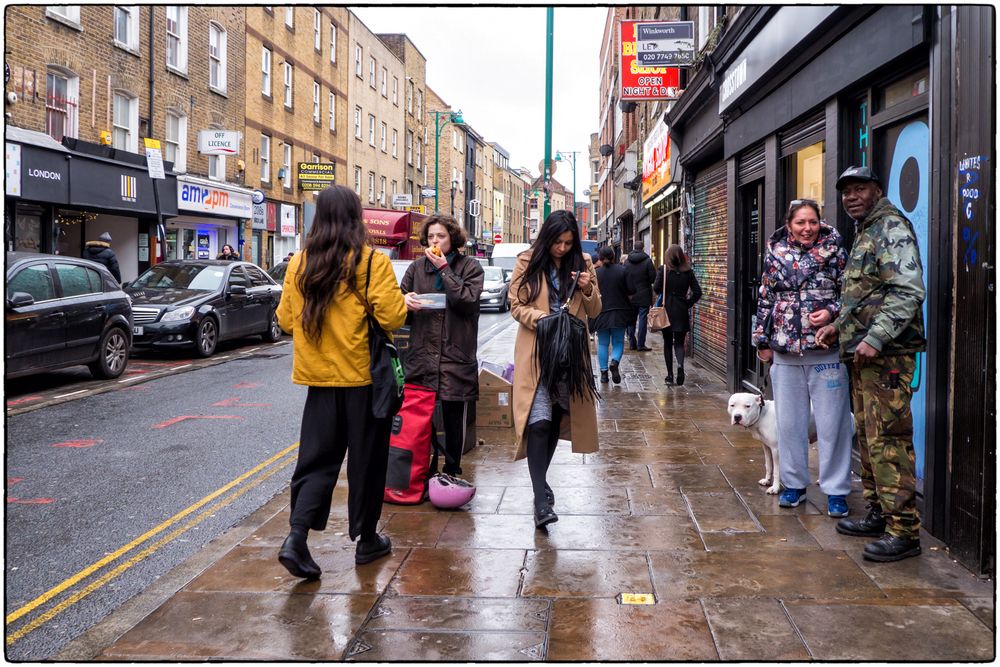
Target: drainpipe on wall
{"type": "Point", "coordinates": [161, 233]}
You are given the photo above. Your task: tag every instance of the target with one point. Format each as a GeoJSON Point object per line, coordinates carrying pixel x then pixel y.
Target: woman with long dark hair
{"type": "Point", "coordinates": [322, 306]}
{"type": "Point", "coordinates": [617, 313]}
{"type": "Point", "coordinates": [547, 276]}
{"type": "Point", "coordinates": [679, 279]}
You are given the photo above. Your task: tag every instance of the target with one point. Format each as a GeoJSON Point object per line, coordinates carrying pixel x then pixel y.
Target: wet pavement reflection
{"type": "Point", "coordinates": [669, 507]}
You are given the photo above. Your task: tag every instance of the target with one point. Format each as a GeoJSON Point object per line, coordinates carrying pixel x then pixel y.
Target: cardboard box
{"type": "Point", "coordinates": [496, 398]}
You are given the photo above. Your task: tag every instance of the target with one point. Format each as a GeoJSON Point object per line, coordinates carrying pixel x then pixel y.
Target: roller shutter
{"type": "Point", "coordinates": [709, 257]}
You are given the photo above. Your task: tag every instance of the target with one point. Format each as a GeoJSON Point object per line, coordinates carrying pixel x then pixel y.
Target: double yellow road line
{"type": "Point", "coordinates": [177, 525]}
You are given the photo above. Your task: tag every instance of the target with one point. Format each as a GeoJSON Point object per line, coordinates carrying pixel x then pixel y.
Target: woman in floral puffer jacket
{"type": "Point", "coordinates": [800, 293]}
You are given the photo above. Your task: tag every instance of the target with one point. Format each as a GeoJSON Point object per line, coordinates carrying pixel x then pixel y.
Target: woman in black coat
{"type": "Point", "coordinates": [617, 312]}
{"type": "Point", "coordinates": [679, 281]}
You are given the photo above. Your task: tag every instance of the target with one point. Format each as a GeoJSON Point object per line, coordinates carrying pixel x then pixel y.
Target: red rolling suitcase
{"type": "Point", "coordinates": [410, 447]}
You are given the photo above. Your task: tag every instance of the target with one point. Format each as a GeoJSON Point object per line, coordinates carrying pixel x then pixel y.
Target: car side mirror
{"type": "Point", "coordinates": [20, 299]}
{"type": "Point", "coordinates": [237, 289]}
{"type": "Point", "coordinates": [125, 284]}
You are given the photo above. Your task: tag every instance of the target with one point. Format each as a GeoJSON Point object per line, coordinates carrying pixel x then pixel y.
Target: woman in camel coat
{"type": "Point", "coordinates": [558, 245]}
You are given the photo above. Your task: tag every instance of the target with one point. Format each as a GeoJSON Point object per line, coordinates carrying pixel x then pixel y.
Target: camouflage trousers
{"type": "Point", "coordinates": [885, 439]}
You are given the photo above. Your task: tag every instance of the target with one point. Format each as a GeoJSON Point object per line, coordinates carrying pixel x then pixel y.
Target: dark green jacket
{"type": "Point", "coordinates": [883, 286]}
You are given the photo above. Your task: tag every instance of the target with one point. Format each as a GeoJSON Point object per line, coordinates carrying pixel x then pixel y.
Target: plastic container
{"type": "Point", "coordinates": [435, 301]}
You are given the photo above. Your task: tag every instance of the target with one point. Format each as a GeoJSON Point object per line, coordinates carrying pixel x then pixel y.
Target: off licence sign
{"type": "Point", "coordinates": [642, 84]}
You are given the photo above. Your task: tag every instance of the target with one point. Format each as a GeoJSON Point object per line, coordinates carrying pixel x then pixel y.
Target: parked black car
{"type": "Point", "coordinates": [278, 272]}
{"type": "Point", "coordinates": [184, 303]}
{"type": "Point", "coordinates": [64, 311]}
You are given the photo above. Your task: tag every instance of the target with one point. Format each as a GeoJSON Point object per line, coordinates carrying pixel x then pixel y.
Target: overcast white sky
{"type": "Point", "coordinates": [490, 63]}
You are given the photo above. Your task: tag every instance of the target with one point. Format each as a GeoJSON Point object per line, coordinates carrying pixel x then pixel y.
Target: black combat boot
{"type": "Point", "coordinates": [891, 548]}
{"type": "Point", "coordinates": [616, 376]}
{"type": "Point", "coordinates": [871, 525]}
{"type": "Point", "coordinates": [294, 555]}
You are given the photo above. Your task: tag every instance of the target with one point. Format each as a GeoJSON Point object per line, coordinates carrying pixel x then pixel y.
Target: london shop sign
{"type": "Point", "coordinates": [219, 142]}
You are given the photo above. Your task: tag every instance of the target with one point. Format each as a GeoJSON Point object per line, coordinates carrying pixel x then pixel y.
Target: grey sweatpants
{"type": "Point", "coordinates": [828, 388]}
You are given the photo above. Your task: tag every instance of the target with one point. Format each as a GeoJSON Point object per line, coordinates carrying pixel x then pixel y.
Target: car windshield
{"type": "Point", "coordinates": [493, 274]}
{"type": "Point", "coordinates": [181, 276]}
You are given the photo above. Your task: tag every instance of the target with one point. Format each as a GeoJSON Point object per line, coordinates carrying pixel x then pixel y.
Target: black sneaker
{"type": "Point", "coordinates": [871, 525]}
{"type": "Point", "coordinates": [294, 555]}
{"type": "Point", "coordinates": [615, 375]}
{"type": "Point", "coordinates": [373, 549]}
{"type": "Point", "coordinates": [891, 548]}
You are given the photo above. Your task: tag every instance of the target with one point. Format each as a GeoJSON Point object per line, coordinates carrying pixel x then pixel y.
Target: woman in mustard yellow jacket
{"type": "Point", "coordinates": [330, 335]}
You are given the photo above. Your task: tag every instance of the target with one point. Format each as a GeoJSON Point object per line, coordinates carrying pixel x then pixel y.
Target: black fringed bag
{"type": "Point", "coordinates": [562, 351]}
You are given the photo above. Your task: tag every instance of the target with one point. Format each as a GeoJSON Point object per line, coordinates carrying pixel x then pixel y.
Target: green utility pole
{"type": "Point", "coordinates": [549, 20]}
{"type": "Point", "coordinates": [450, 117]}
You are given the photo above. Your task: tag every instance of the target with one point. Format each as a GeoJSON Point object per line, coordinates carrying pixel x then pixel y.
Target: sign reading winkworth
{"type": "Point", "coordinates": [665, 43]}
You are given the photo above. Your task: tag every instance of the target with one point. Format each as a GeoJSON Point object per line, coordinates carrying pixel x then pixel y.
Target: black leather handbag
{"type": "Point", "coordinates": [562, 350]}
{"type": "Point", "coordinates": [386, 367]}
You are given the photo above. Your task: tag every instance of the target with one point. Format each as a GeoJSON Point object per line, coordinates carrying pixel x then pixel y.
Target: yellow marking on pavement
{"type": "Point", "coordinates": [86, 572]}
{"type": "Point", "coordinates": [137, 558]}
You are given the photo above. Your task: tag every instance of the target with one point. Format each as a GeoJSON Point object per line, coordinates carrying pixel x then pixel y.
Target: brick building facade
{"type": "Point", "coordinates": [414, 102]}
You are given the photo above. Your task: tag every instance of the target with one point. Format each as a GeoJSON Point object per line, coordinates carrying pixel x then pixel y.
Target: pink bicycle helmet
{"type": "Point", "coordinates": [447, 492]}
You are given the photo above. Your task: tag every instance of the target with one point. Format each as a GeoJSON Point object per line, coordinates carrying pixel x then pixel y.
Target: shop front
{"type": "Point", "coordinates": [210, 215]}
{"type": "Point", "coordinates": [59, 196]}
{"type": "Point", "coordinates": [660, 178]}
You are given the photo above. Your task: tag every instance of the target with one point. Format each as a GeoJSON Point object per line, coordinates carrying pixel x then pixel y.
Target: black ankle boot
{"type": "Point", "coordinates": [891, 548]}
{"type": "Point", "coordinates": [615, 375]}
{"type": "Point", "coordinates": [372, 549]}
{"type": "Point", "coordinates": [549, 495]}
{"type": "Point", "coordinates": [604, 377]}
{"type": "Point", "coordinates": [294, 555]}
{"type": "Point", "coordinates": [680, 375]}
{"type": "Point", "coordinates": [871, 525]}
{"type": "Point", "coordinates": [544, 515]}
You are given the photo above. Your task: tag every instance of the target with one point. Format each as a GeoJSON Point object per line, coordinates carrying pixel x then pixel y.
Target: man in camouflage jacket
{"type": "Point", "coordinates": [880, 329]}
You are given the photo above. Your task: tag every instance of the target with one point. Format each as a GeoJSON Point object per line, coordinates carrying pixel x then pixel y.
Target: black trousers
{"type": "Point", "coordinates": [337, 421]}
{"type": "Point", "coordinates": [673, 344]}
{"type": "Point", "coordinates": [454, 414]}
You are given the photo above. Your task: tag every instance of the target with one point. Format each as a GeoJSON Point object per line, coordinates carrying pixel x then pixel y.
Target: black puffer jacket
{"type": "Point", "coordinates": [616, 310]}
{"type": "Point", "coordinates": [101, 252]}
{"type": "Point", "coordinates": [641, 273]}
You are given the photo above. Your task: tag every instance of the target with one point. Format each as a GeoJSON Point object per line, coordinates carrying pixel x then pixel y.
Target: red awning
{"type": "Point", "coordinates": [387, 228]}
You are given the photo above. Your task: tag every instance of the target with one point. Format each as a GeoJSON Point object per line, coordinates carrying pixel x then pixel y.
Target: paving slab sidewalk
{"type": "Point", "coordinates": [669, 506]}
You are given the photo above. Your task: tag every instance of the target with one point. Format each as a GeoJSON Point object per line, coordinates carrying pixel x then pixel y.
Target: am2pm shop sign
{"type": "Point", "coordinates": [204, 199]}
{"type": "Point", "coordinates": [643, 84]}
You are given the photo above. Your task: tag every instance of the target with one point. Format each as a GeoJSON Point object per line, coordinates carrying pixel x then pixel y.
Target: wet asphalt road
{"type": "Point", "coordinates": [92, 478]}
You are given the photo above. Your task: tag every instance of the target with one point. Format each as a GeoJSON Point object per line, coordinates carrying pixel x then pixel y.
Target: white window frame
{"type": "Point", "coordinates": [409, 96]}
{"type": "Point", "coordinates": [384, 138]}
{"type": "Point", "coordinates": [357, 180]}
{"type": "Point", "coordinates": [357, 122]}
{"type": "Point", "coordinates": [371, 71]}
{"type": "Point", "coordinates": [371, 187]}
{"type": "Point", "coordinates": [385, 83]}
{"type": "Point", "coordinates": [317, 30]}
{"type": "Point", "coordinates": [317, 111]}
{"type": "Point", "coordinates": [290, 17]}
{"type": "Point", "coordinates": [395, 142]}
{"type": "Point", "coordinates": [64, 13]}
{"type": "Point", "coordinates": [181, 35]}
{"type": "Point", "coordinates": [286, 164]}
{"type": "Point", "coordinates": [420, 103]}
{"type": "Point", "coordinates": [395, 185]}
{"type": "Point", "coordinates": [395, 90]}
{"type": "Point", "coordinates": [381, 194]}
{"type": "Point", "coordinates": [71, 124]}
{"type": "Point", "coordinates": [371, 129]}
{"type": "Point", "coordinates": [333, 111]}
{"type": "Point", "coordinates": [180, 152]}
{"type": "Point", "coordinates": [129, 41]}
{"type": "Point", "coordinates": [130, 141]}
{"type": "Point", "coordinates": [418, 146]}
{"type": "Point", "coordinates": [265, 158]}
{"type": "Point", "coordinates": [217, 167]}
{"type": "Point", "coordinates": [333, 43]}
{"type": "Point", "coordinates": [454, 138]}
{"type": "Point", "coordinates": [359, 56]}
{"type": "Point", "coordinates": [222, 57]}
{"type": "Point", "coordinates": [289, 83]}
{"type": "Point", "coordinates": [266, 58]}
{"type": "Point", "coordinates": [409, 147]}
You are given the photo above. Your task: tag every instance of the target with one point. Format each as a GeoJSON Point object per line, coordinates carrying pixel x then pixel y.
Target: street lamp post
{"type": "Point", "coordinates": [547, 172]}
{"type": "Point", "coordinates": [449, 117]}
{"type": "Point", "coordinates": [560, 156]}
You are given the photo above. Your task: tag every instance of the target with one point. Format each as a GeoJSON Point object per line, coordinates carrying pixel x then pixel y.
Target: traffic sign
{"type": "Point", "coordinates": [154, 158]}
{"type": "Point", "coordinates": [428, 192]}
{"type": "Point", "coordinates": [497, 238]}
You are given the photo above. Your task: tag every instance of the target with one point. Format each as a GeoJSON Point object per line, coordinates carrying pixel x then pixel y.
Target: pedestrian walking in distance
{"type": "Point", "coordinates": [799, 294]}
{"type": "Point", "coordinates": [100, 251]}
{"type": "Point", "coordinates": [617, 313]}
{"type": "Point", "coordinates": [228, 253]}
{"type": "Point", "coordinates": [677, 286]}
{"type": "Point", "coordinates": [329, 328]}
{"type": "Point", "coordinates": [641, 274]}
{"type": "Point", "coordinates": [443, 342]}
{"type": "Point", "coordinates": [543, 277]}
{"type": "Point", "coordinates": [880, 329]}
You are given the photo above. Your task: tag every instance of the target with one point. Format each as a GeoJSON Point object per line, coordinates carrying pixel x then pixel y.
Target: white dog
{"type": "Point", "coordinates": [753, 412]}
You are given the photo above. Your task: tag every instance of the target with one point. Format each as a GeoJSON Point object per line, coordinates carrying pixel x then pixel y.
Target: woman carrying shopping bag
{"type": "Point", "coordinates": [444, 340]}
{"type": "Point", "coordinates": [553, 280]}
{"type": "Point", "coordinates": [327, 290]}
{"type": "Point", "coordinates": [674, 281]}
